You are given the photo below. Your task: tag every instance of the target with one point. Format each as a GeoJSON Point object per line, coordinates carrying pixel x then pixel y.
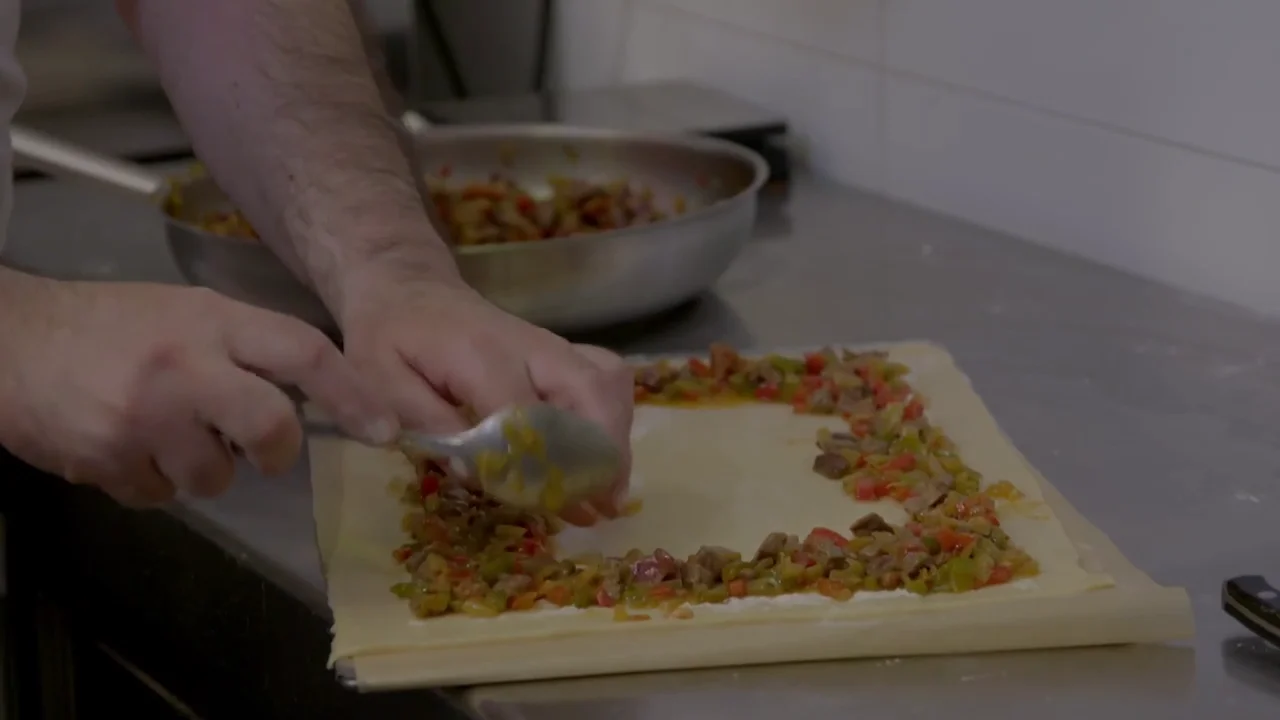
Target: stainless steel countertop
{"type": "Point", "coordinates": [1153, 411]}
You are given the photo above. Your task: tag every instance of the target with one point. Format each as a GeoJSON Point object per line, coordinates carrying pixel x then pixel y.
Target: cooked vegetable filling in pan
{"type": "Point", "coordinates": [468, 554]}
{"type": "Point", "coordinates": [501, 211]}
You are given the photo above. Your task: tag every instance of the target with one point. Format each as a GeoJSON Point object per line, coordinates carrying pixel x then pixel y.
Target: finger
{"type": "Point", "coordinates": [598, 385]}
{"type": "Point", "coordinates": [416, 403]}
{"type": "Point", "coordinates": [487, 382]}
{"type": "Point", "coordinates": [251, 413]}
{"type": "Point", "coordinates": [582, 515]}
{"type": "Point", "coordinates": [141, 486]}
{"type": "Point", "coordinates": [196, 460]}
{"type": "Point", "coordinates": [286, 350]}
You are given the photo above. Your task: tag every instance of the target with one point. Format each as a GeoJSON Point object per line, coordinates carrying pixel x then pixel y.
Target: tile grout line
{"type": "Point", "coordinates": [881, 66]}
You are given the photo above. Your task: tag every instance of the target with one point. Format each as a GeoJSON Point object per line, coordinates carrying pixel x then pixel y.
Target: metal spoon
{"type": "Point", "coordinates": [534, 456]}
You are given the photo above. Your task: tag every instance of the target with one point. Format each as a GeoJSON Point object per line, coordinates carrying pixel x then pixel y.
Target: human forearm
{"type": "Point", "coordinates": [392, 100]}
{"type": "Point", "coordinates": [283, 107]}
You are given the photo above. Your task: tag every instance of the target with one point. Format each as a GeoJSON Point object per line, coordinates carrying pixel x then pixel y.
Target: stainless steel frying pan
{"type": "Point", "coordinates": [564, 284]}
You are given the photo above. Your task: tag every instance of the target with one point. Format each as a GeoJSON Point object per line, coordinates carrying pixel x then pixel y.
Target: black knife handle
{"type": "Point", "coordinates": [1252, 601]}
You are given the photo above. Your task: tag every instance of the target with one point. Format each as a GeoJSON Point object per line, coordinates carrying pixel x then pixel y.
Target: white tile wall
{"type": "Point", "coordinates": [1141, 133]}
{"type": "Point", "coordinates": [840, 118]}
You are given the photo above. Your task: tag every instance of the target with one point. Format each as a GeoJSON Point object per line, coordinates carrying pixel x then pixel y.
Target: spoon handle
{"type": "Point", "coordinates": [416, 442]}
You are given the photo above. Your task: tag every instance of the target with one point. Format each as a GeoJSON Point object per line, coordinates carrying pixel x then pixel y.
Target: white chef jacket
{"type": "Point", "coordinates": [13, 85]}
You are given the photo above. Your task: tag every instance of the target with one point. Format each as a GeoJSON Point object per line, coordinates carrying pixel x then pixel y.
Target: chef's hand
{"type": "Point", "coordinates": [139, 388]}
{"type": "Point", "coordinates": [436, 346]}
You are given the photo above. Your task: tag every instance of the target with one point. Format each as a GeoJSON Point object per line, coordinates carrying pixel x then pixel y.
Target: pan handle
{"type": "Point", "coordinates": [66, 160]}
{"type": "Point", "coordinates": [62, 159]}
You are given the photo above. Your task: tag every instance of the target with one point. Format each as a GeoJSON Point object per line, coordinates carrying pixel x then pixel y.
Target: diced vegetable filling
{"type": "Point", "coordinates": [468, 554]}
{"type": "Point", "coordinates": [501, 211]}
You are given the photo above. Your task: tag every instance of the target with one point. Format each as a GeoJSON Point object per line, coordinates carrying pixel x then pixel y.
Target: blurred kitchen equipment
{"type": "Point", "coordinates": [574, 459]}
{"type": "Point", "coordinates": [1255, 604]}
{"type": "Point", "coordinates": [565, 284]}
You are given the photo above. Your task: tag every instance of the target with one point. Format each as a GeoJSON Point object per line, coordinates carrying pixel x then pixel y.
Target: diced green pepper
{"type": "Point", "coordinates": [967, 482]}
{"type": "Point", "coordinates": [583, 597]}
{"type": "Point", "coordinates": [494, 568]}
{"type": "Point", "coordinates": [919, 586]}
{"type": "Point", "coordinates": [960, 574]}
{"type": "Point", "coordinates": [477, 607]}
{"type": "Point", "coordinates": [429, 604]}
{"type": "Point", "coordinates": [732, 571]}
{"type": "Point", "coordinates": [889, 420]}
{"type": "Point", "coordinates": [764, 586]}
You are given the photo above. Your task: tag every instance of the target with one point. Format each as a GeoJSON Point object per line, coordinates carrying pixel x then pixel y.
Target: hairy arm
{"type": "Point", "coordinates": [282, 105]}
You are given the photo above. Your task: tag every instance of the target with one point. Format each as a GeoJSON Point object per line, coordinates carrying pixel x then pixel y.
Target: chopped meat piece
{"type": "Point", "coordinates": [873, 446]}
{"type": "Point", "coordinates": [913, 562]}
{"type": "Point", "coordinates": [695, 575]}
{"type": "Point", "coordinates": [832, 465]}
{"type": "Point", "coordinates": [870, 523]}
{"type": "Point", "coordinates": [714, 558]}
{"type": "Point", "coordinates": [655, 568]}
{"type": "Point", "coordinates": [724, 361]}
{"type": "Point", "coordinates": [843, 380]}
{"type": "Point", "coordinates": [766, 374]}
{"type": "Point", "coordinates": [881, 564]}
{"type": "Point", "coordinates": [927, 495]}
{"type": "Point", "coordinates": [891, 580]}
{"type": "Point", "coordinates": [771, 546]}
{"type": "Point", "coordinates": [822, 402]}
{"type": "Point", "coordinates": [853, 403]}
{"type": "Point", "coordinates": [838, 441]}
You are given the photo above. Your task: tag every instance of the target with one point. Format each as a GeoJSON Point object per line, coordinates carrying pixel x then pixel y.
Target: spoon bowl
{"type": "Point", "coordinates": [532, 456]}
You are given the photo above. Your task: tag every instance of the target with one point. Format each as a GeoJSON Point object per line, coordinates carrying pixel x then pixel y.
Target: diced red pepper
{"type": "Point", "coordinates": [819, 534]}
{"type": "Point", "coordinates": [525, 204]}
{"type": "Point", "coordinates": [913, 411]}
{"type": "Point", "coordinates": [523, 601]}
{"type": "Point", "coordinates": [883, 396]}
{"type": "Point", "coordinates": [864, 490]}
{"type": "Point", "coordinates": [699, 368]}
{"type": "Point", "coordinates": [915, 528]}
{"type": "Point", "coordinates": [738, 588]}
{"type": "Point", "coordinates": [812, 382]}
{"type": "Point", "coordinates": [430, 484]}
{"type": "Point", "coordinates": [529, 546]}
{"type": "Point", "coordinates": [604, 599]}
{"type": "Point", "coordinates": [861, 428]}
{"type": "Point", "coordinates": [900, 492]}
{"type": "Point", "coordinates": [832, 589]}
{"type": "Point", "coordinates": [951, 541]}
{"type": "Point", "coordinates": [905, 462]}
{"type": "Point", "coordinates": [1000, 575]}
{"type": "Point", "coordinates": [402, 553]}
{"type": "Point", "coordinates": [662, 591]}
{"type": "Point", "coordinates": [814, 363]}
{"type": "Point", "coordinates": [767, 392]}
{"type": "Point", "coordinates": [559, 595]}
